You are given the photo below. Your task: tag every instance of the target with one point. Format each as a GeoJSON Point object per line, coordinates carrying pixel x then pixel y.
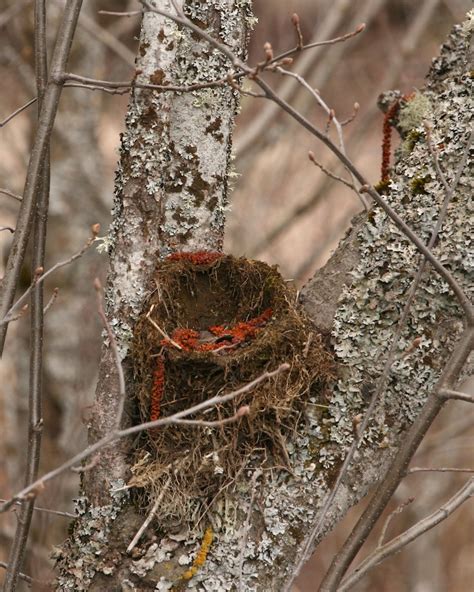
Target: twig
{"type": "Point", "coordinates": [327, 172]}
{"type": "Point", "coordinates": [38, 486]}
{"type": "Point", "coordinates": [390, 517]}
{"type": "Point", "coordinates": [28, 579]}
{"type": "Point", "coordinates": [160, 330]}
{"type": "Point", "coordinates": [113, 13]}
{"type": "Point", "coordinates": [396, 544]}
{"type": "Point", "coordinates": [150, 516]}
{"type": "Point", "coordinates": [450, 394]}
{"type": "Point", "coordinates": [104, 85]}
{"type": "Point", "coordinates": [438, 470]}
{"type": "Point", "coordinates": [359, 29]}
{"type": "Point", "coordinates": [39, 150]}
{"type": "Point", "coordinates": [47, 510]}
{"type": "Point", "coordinates": [331, 578]}
{"type": "Point", "coordinates": [241, 412]}
{"type": "Point", "coordinates": [51, 301]}
{"type": "Point", "coordinates": [14, 114]}
{"type": "Point", "coordinates": [11, 194]}
{"type": "Point", "coordinates": [331, 119]}
{"type": "Point", "coordinates": [397, 470]}
{"type": "Point", "coordinates": [35, 387]}
{"type": "Point", "coordinates": [9, 228]}
{"type": "Point", "coordinates": [113, 345]}
{"type": "Point", "coordinates": [7, 318]}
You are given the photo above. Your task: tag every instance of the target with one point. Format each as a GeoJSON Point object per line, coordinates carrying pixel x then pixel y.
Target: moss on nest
{"type": "Point", "coordinates": [184, 463]}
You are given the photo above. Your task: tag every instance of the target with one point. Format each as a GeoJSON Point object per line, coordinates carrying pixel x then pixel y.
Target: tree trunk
{"type": "Point", "coordinates": [171, 193]}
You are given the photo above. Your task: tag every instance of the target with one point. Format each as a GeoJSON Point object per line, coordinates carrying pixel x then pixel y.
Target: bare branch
{"type": "Point", "coordinates": [438, 470]}
{"type": "Point", "coordinates": [396, 544]}
{"type": "Point", "coordinates": [47, 510]}
{"type": "Point", "coordinates": [104, 85]}
{"type": "Point", "coordinates": [327, 172]}
{"type": "Point", "coordinates": [149, 518]}
{"type": "Point", "coordinates": [35, 390]}
{"type": "Point", "coordinates": [14, 114]}
{"type": "Point", "coordinates": [40, 147]}
{"type": "Point", "coordinates": [112, 13]}
{"type": "Point", "coordinates": [8, 318]}
{"type": "Point", "coordinates": [39, 485]}
{"type": "Point", "coordinates": [390, 517]}
{"type": "Point", "coordinates": [450, 394]}
{"type": "Point", "coordinates": [11, 194]}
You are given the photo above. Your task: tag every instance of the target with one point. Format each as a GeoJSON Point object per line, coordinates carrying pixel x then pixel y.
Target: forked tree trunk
{"type": "Point", "coordinates": [171, 193]}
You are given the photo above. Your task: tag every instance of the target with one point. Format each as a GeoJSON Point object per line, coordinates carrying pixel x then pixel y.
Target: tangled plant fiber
{"type": "Point", "coordinates": [228, 320]}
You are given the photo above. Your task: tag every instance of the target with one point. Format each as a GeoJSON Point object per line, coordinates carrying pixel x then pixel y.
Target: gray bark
{"type": "Point", "coordinates": [171, 195]}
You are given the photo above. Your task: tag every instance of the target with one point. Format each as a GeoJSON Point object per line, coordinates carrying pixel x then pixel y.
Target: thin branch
{"type": "Point", "coordinates": [450, 394]}
{"type": "Point", "coordinates": [11, 194]}
{"type": "Point", "coordinates": [40, 278]}
{"type": "Point", "coordinates": [329, 173]}
{"type": "Point", "coordinates": [14, 114]}
{"type": "Point", "coordinates": [401, 541]}
{"type": "Point", "coordinates": [299, 48]}
{"type": "Point", "coordinates": [389, 519]}
{"type": "Point", "coordinates": [398, 467]}
{"type": "Point", "coordinates": [28, 579]}
{"type": "Point", "coordinates": [39, 485]}
{"type": "Point", "coordinates": [241, 412]}
{"type": "Point", "coordinates": [331, 119]}
{"type": "Point", "coordinates": [113, 13]}
{"type": "Point", "coordinates": [96, 84]}
{"type": "Point", "coordinates": [9, 228]}
{"type": "Point", "coordinates": [39, 150]}
{"type": "Point", "coordinates": [35, 387]}
{"type": "Point", "coordinates": [150, 517]}
{"type": "Point", "coordinates": [51, 301]}
{"type": "Point", "coordinates": [438, 470]}
{"type": "Point", "coordinates": [47, 510]}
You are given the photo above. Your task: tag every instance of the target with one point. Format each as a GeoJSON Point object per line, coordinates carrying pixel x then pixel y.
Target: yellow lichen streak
{"type": "Point", "coordinates": [201, 556]}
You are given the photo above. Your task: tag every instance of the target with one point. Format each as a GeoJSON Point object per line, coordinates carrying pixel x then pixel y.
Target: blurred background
{"type": "Point", "coordinates": [284, 211]}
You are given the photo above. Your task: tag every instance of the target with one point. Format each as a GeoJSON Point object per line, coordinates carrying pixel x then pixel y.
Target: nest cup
{"type": "Point", "coordinates": [233, 319]}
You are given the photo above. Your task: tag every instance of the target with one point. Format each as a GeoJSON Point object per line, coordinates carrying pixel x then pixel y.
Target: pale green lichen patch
{"type": "Point", "coordinates": [414, 112]}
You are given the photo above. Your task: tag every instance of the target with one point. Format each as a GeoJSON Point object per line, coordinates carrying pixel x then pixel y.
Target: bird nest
{"type": "Point", "coordinates": [213, 324]}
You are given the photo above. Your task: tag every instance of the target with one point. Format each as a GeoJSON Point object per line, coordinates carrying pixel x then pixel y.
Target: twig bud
{"type": "Point", "coordinates": [97, 285]}
{"type": "Point", "coordinates": [360, 28]}
{"type": "Point", "coordinates": [295, 19]}
{"type": "Point", "coordinates": [95, 229]}
{"type": "Point", "coordinates": [268, 51]}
